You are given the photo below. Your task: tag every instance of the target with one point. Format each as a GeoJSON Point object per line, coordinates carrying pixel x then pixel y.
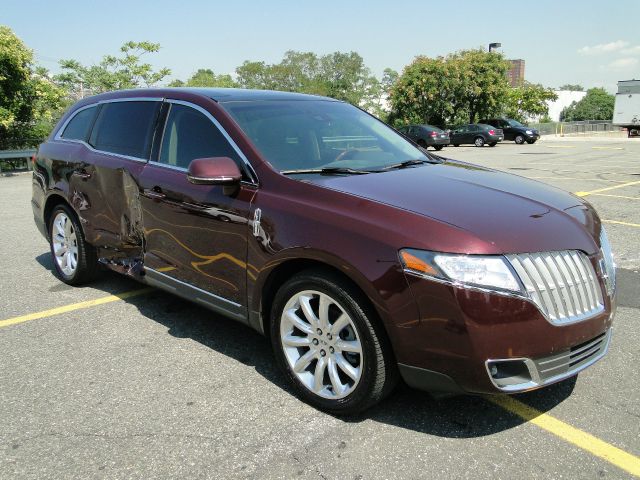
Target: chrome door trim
{"type": "Point", "coordinates": [197, 295]}
{"type": "Point", "coordinates": [249, 168]}
{"type": "Point", "coordinates": [60, 131]}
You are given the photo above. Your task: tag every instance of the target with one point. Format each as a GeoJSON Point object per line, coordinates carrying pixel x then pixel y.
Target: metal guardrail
{"type": "Point", "coordinates": [588, 127]}
{"type": "Point", "coordinates": [14, 156]}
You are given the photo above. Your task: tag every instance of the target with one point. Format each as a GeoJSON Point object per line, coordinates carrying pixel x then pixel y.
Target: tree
{"type": "Point", "coordinates": [29, 101]}
{"type": "Point", "coordinates": [528, 100]}
{"type": "Point", "coordinates": [572, 87]}
{"type": "Point", "coordinates": [597, 104]}
{"type": "Point", "coordinates": [458, 88]}
{"type": "Point", "coordinates": [339, 75]}
{"type": "Point", "coordinates": [112, 73]}
{"type": "Point", "coordinates": [206, 78]}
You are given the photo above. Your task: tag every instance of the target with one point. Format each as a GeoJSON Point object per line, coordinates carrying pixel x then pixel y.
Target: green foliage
{"type": "Point", "coordinates": [448, 90]}
{"type": "Point", "coordinates": [528, 100]}
{"type": "Point", "coordinates": [572, 87]}
{"type": "Point", "coordinates": [338, 75]}
{"type": "Point", "coordinates": [597, 104]}
{"type": "Point", "coordinates": [30, 102]}
{"type": "Point", "coordinates": [206, 78]}
{"type": "Point", "coordinates": [113, 72]}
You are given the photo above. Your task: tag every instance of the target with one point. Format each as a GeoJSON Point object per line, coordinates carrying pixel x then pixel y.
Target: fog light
{"type": "Point", "coordinates": [510, 374]}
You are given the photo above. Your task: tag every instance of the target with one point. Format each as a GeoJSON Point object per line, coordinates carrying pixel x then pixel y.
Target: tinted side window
{"type": "Point", "coordinates": [125, 128]}
{"type": "Point", "coordinates": [80, 125]}
{"type": "Point", "coordinates": [189, 135]}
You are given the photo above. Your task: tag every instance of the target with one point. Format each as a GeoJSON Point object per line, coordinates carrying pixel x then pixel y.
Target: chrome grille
{"type": "Point", "coordinates": [562, 284]}
{"type": "Point", "coordinates": [572, 360]}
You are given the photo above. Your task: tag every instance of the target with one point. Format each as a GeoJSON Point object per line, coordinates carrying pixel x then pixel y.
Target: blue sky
{"type": "Point", "coordinates": [594, 43]}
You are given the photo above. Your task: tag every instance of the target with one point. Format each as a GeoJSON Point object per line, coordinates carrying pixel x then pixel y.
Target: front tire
{"type": "Point", "coordinates": [493, 144]}
{"type": "Point", "coordinates": [328, 344]}
{"type": "Point", "coordinates": [75, 260]}
{"type": "Point", "coordinates": [519, 139]}
{"type": "Point", "coordinates": [479, 142]}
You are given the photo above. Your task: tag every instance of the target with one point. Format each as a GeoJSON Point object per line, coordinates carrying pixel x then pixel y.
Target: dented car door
{"type": "Point", "coordinates": [103, 186]}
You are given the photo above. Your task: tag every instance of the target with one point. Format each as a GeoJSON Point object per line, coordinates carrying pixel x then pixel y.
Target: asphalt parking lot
{"type": "Point", "coordinates": [146, 385]}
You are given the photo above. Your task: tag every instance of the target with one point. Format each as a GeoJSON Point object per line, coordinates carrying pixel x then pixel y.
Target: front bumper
{"type": "Point", "coordinates": [462, 332]}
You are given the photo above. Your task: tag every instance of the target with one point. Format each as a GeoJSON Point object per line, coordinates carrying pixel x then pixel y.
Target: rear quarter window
{"type": "Point", "coordinates": [125, 128]}
{"type": "Point", "coordinates": [80, 125]}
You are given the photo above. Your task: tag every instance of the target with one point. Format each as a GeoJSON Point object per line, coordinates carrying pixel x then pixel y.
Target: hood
{"type": "Point", "coordinates": [511, 213]}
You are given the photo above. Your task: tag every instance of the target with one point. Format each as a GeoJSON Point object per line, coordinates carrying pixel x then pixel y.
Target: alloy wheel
{"type": "Point", "coordinates": [65, 244]}
{"type": "Point", "coordinates": [321, 344]}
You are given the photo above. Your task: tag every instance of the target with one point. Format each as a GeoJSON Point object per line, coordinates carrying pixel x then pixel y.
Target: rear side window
{"type": "Point", "coordinates": [80, 125]}
{"type": "Point", "coordinates": [189, 135]}
{"type": "Point", "coordinates": [125, 128]}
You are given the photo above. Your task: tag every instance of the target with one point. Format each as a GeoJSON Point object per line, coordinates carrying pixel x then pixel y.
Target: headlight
{"type": "Point", "coordinates": [491, 272]}
{"type": "Point", "coordinates": [529, 132]}
{"type": "Point", "coordinates": [609, 264]}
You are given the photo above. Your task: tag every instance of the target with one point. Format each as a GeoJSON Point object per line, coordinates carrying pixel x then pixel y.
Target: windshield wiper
{"type": "Point", "coordinates": [328, 171]}
{"type": "Point", "coordinates": [410, 163]}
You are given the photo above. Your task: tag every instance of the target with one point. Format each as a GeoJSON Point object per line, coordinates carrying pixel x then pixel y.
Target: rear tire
{"type": "Point", "coordinates": [519, 139]}
{"type": "Point", "coordinates": [329, 345]}
{"type": "Point", "coordinates": [479, 142]}
{"type": "Point", "coordinates": [456, 144]}
{"type": "Point", "coordinates": [438, 147]}
{"type": "Point", "coordinates": [75, 261]}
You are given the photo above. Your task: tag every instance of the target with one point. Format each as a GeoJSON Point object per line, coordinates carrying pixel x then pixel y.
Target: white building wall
{"type": "Point", "coordinates": [565, 98]}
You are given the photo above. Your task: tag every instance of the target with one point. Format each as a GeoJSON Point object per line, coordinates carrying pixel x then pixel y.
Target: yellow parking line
{"type": "Point", "coordinates": [615, 196]}
{"type": "Point", "coordinates": [607, 148]}
{"type": "Point", "coordinates": [74, 306]}
{"type": "Point", "coordinates": [577, 437]}
{"type": "Point", "coordinates": [616, 222]}
{"type": "Point", "coordinates": [606, 189]}
{"type": "Point", "coordinates": [577, 178]}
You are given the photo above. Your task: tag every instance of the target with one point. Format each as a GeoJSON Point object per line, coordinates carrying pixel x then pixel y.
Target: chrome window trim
{"type": "Point", "coordinates": [536, 381]}
{"type": "Point", "coordinates": [58, 136]}
{"type": "Point", "coordinates": [249, 168]}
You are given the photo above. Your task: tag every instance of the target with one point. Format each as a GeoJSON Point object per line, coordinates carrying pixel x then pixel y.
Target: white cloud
{"type": "Point", "coordinates": [603, 48]}
{"type": "Point", "coordinates": [623, 63]}
{"type": "Point", "coordinates": [635, 50]}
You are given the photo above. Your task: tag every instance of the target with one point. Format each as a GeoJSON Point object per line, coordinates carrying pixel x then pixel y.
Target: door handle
{"type": "Point", "coordinates": [154, 193]}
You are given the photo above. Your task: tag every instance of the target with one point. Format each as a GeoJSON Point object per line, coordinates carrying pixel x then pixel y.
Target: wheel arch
{"type": "Point", "coordinates": [54, 199]}
{"type": "Point", "coordinates": [287, 268]}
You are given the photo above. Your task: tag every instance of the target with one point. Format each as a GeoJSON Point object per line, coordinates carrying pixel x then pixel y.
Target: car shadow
{"type": "Point", "coordinates": [453, 417]}
{"type": "Point", "coordinates": [109, 282]}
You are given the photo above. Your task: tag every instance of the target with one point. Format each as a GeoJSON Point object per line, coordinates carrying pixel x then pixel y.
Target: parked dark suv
{"type": "Point", "coordinates": [514, 130]}
{"type": "Point", "coordinates": [426, 135]}
{"type": "Point", "coordinates": [360, 256]}
{"type": "Point", "coordinates": [477, 134]}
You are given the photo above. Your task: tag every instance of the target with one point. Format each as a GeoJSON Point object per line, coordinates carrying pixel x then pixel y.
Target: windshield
{"type": "Point", "coordinates": [514, 123]}
{"type": "Point", "coordinates": [320, 134]}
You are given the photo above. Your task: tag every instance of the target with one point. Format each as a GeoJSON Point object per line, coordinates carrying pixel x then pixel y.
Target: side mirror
{"type": "Point", "coordinates": [214, 171]}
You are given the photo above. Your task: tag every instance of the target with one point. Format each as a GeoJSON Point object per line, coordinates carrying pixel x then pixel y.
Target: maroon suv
{"type": "Point", "coordinates": [361, 256]}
